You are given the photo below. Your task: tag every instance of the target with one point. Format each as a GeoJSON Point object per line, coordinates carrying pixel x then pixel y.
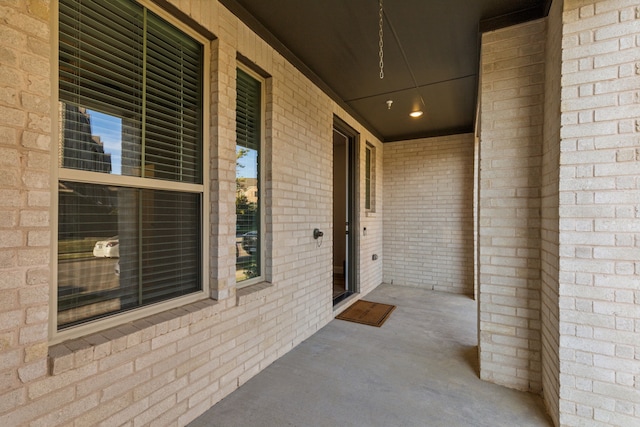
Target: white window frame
{"type": "Point", "coordinates": [59, 173]}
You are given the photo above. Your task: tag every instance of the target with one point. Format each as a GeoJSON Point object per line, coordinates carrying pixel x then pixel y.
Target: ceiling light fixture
{"type": "Point", "coordinates": [417, 109]}
{"type": "Point", "coordinates": [389, 103]}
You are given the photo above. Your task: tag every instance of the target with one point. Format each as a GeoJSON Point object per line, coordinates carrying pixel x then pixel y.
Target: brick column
{"type": "Point", "coordinates": [223, 170]}
{"type": "Point", "coordinates": [509, 205]}
{"type": "Point", "coordinates": [549, 244]}
{"type": "Point", "coordinates": [600, 214]}
{"type": "Point", "coordinates": [25, 197]}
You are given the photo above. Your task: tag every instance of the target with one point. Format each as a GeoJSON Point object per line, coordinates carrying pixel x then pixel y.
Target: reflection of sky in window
{"type": "Point", "coordinates": [247, 166]}
{"type": "Point", "coordinates": [109, 129]}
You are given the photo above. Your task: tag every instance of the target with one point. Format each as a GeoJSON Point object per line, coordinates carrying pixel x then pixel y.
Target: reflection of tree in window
{"type": "Point", "coordinates": [248, 141]}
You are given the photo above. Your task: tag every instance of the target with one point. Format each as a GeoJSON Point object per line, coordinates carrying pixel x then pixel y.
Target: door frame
{"type": "Point", "coordinates": [352, 275]}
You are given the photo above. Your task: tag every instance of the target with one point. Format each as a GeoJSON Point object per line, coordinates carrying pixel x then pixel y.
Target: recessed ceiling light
{"type": "Point", "coordinates": [415, 114]}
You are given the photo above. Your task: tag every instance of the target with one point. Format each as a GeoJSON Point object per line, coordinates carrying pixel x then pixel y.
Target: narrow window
{"type": "Point", "coordinates": [249, 221]}
{"type": "Point", "coordinates": [369, 178]}
{"type": "Point", "coordinates": [130, 168]}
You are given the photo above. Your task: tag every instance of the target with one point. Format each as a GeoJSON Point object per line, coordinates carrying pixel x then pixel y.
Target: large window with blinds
{"type": "Point", "coordinates": [130, 160]}
{"type": "Point", "coordinates": [249, 241]}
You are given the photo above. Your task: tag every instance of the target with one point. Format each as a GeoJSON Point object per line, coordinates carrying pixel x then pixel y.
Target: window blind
{"type": "Point", "coordinates": [130, 86]}
{"type": "Point", "coordinates": [122, 60]}
{"type": "Point", "coordinates": [247, 111]}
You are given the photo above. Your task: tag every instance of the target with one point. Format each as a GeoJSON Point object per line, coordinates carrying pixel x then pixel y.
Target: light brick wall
{"type": "Point", "coordinates": [600, 214]}
{"type": "Point", "coordinates": [170, 367]}
{"type": "Point", "coordinates": [222, 170]}
{"type": "Point", "coordinates": [512, 67]}
{"type": "Point", "coordinates": [428, 213]}
{"type": "Point", "coordinates": [549, 311]}
{"type": "Point", "coordinates": [371, 243]}
{"type": "Point", "coordinates": [25, 197]}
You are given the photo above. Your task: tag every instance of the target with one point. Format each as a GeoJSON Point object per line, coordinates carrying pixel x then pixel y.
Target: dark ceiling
{"type": "Point", "coordinates": [430, 53]}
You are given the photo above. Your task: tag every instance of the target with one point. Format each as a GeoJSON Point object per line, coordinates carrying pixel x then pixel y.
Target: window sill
{"type": "Point", "coordinates": [252, 292]}
{"type": "Point", "coordinates": [370, 214]}
{"type": "Point", "coordinates": [79, 352]}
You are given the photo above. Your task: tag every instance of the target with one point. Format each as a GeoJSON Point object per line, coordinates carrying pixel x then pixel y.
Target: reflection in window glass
{"type": "Point", "coordinates": [369, 178]}
{"type": "Point", "coordinates": [107, 133]}
{"type": "Point", "coordinates": [82, 149]}
{"type": "Point", "coordinates": [94, 141]}
{"type": "Point", "coordinates": [248, 220]}
{"type": "Point", "coordinates": [247, 215]}
{"type": "Point", "coordinates": [120, 248]}
{"type": "Point", "coordinates": [130, 86]}
{"type": "Point", "coordinates": [120, 63]}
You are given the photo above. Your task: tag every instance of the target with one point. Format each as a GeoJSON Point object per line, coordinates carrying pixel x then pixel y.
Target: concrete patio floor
{"type": "Point", "coordinates": [419, 369]}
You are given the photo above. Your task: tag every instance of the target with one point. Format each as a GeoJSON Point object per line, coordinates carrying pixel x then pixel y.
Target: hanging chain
{"type": "Point", "coordinates": [381, 43]}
